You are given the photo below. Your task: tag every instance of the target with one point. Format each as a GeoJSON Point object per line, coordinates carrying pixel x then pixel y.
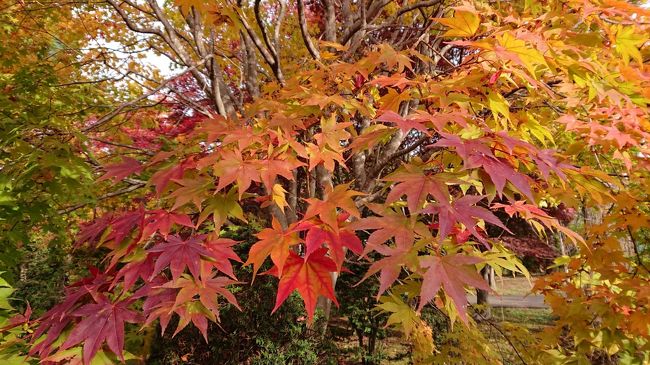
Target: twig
{"type": "Point", "coordinates": [103, 197]}
{"type": "Point", "coordinates": [504, 336]}
{"type": "Point", "coordinates": [636, 251]}
{"type": "Point", "coordinates": [123, 145]}
{"type": "Point", "coordinates": [119, 109]}
{"type": "Point", "coordinates": [381, 164]}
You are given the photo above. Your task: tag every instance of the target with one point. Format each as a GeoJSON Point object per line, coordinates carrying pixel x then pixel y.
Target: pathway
{"type": "Point", "coordinates": [513, 301]}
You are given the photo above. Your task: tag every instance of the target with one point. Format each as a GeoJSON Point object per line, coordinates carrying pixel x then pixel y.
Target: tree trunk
{"type": "Point", "coordinates": [563, 251]}
{"type": "Point", "coordinates": [372, 343]}
{"type": "Point", "coordinates": [482, 295]}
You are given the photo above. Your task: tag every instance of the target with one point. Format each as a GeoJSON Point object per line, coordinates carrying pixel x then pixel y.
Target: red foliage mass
{"type": "Point", "coordinates": [529, 246]}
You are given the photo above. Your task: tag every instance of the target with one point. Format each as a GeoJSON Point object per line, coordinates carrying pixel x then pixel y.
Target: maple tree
{"type": "Point", "coordinates": [418, 135]}
{"type": "Point", "coordinates": [42, 160]}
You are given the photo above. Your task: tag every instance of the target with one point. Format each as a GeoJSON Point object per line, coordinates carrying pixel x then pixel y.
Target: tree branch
{"type": "Point", "coordinates": [636, 250]}
{"type": "Point", "coordinates": [128, 189]}
{"type": "Point", "coordinates": [304, 31]}
{"type": "Point", "coordinates": [330, 21]}
{"type": "Point", "coordinates": [129, 23]}
{"type": "Point", "coordinates": [107, 117]}
{"type": "Point", "coordinates": [381, 164]}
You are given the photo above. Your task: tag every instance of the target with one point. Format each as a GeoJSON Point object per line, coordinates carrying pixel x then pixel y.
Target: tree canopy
{"type": "Point", "coordinates": [426, 140]}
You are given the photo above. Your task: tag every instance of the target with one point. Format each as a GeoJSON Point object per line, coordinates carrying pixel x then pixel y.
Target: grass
{"type": "Point", "coordinates": [392, 349]}
{"type": "Point", "coordinates": [513, 286]}
{"type": "Point", "coordinates": [515, 324]}
{"type": "Point", "coordinates": [530, 317]}
{"type": "Point", "coordinates": [395, 350]}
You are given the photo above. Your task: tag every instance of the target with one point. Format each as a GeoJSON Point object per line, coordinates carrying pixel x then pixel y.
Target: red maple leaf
{"type": "Point", "coordinates": [157, 301]}
{"type": "Point", "coordinates": [441, 119]}
{"type": "Point", "coordinates": [275, 242]}
{"type": "Point", "coordinates": [121, 170]}
{"type": "Point", "coordinates": [532, 212]}
{"type": "Point", "coordinates": [193, 189]}
{"type": "Point", "coordinates": [417, 185]}
{"type": "Point", "coordinates": [121, 228]}
{"type": "Point", "coordinates": [222, 252]}
{"type": "Point", "coordinates": [390, 266]}
{"type": "Point", "coordinates": [205, 291]}
{"type": "Point", "coordinates": [476, 154]}
{"type": "Point", "coordinates": [318, 235]}
{"type": "Point", "coordinates": [178, 255]}
{"type": "Point", "coordinates": [391, 225]}
{"type": "Point", "coordinates": [269, 169]}
{"type": "Point", "coordinates": [324, 154]}
{"type": "Point", "coordinates": [452, 273]}
{"type": "Point", "coordinates": [405, 125]}
{"type": "Point", "coordinates": [162, 177]}
{"type": "Point", "coordinates": [398, 81]}
{"type": "Point", "coordinates": [232, 168]}
{"type": "Point", "coordinates": [162, 221]}
{"type": "Point", "coordinates": [327, 210]}
{"type": "Point", "coordinates": [18, 319]}
{"type": "Point", "coordinates": [133, 270]}
{"type": "Point", "coordinates": [102, 321]}
{"type": "Point", "coordinates": [311, 277]}
{"type": "Point", "coordinates": [91, 232]}
{"type": "Point", "coordinates": [621, 138]}
{"type": "Point", "coordinates": [123, 225]}
{"type": "Point", "coordinates": [464, 211]}
{"type": "Point", "coordinates": [54, 321]}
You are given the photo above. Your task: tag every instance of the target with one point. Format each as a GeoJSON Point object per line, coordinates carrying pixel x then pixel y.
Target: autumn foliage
{"type": "Point", "coordinates": [426, 139]}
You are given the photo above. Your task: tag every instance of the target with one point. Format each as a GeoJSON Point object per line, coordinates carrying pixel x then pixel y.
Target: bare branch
{"type": "Point", "coordinates": [260, 24]}
{"type": "Point", "coordinates": [278, 27]}
{"type": "Point", "coordinates": [129, 22]}
{"type": "Point", "coordinates": [382, 163]}
{"type": "Point", "coordinates": [636, 250]}
{"type": "Point", "coordinates": [305, 31]}
{"type": "Point", "coordinates": [126, 190]}
{"type": "Point", "coordinates": [270, 58]}
{"type": "Point", "coordinates": [107, 117]}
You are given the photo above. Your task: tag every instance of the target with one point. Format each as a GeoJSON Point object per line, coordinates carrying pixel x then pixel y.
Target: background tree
{"type": "Point", "coordinates": [421, 127]}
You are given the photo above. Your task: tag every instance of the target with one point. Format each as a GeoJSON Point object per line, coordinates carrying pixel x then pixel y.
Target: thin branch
{"type": "Point", "coordinates": [371, 12]}
{"type": "Point", "coordinates": [256, 40]}
{"type": "Point", "coordinates": [107, 117]}
{"type": "Point", "coordinates": [129, 23]}
{"type": "Point", "coordinates": [381, 164]}
{"type": "Point", "coordinates": [423, 4]}
{"type": "Point", "coordinates": [103, 197]}
{"type": "Point", "coordinates": [636, 250]}
{"type": "Point", "coordinates": [512, 345]}
{"type": "Point", "coordinates": [147, 152]}
{"type": "Point", "coordinates": [268, 54]}
{"type": "Point", "coordinates": [260, 24]}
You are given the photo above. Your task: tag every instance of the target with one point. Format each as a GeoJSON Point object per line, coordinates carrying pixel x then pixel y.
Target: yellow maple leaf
{"type": "Point", "coordinates": [465, 23]}
{"type": "Point", "coordinates": [278, 196]}
{"type": "Point", "coordinates": [393, 99]}
{"type": "Point", "coordinates": [516, 50]}
{"type": "Point", "coordinates": [627, 43]}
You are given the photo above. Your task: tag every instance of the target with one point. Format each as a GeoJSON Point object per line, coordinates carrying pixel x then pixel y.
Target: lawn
{"type": "Point", "coordinates": [505, 322]}
{"type": "Point", "coordinates": [514, 286]}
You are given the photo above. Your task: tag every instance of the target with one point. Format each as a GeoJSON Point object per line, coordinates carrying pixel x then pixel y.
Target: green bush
{"type": "Point", "coordinates": [12, 343]}
{"type": "Point", "coordinates": [251, 336]}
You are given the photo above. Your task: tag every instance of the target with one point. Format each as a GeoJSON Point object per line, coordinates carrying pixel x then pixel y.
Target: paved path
{"type": "Point", "coordinates": [513, 301]}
